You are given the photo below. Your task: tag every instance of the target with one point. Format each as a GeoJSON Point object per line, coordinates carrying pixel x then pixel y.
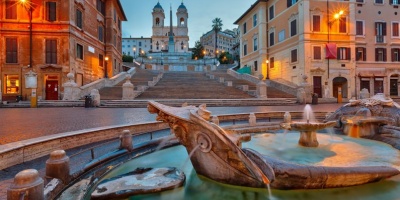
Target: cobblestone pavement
{"type": "Point", "coordinates": [18, 124]}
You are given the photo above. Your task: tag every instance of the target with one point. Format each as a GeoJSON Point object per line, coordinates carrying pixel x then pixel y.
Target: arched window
{"type": "Point", "coordinates": [157, 44]}
{"type": "Point", "coordinates": [157, 21]}
{"type": "Point", "coordinates": [182, 21]}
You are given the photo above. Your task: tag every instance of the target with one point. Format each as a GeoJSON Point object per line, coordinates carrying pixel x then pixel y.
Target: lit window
{"type": "Point", "coordinates": [12, 84]}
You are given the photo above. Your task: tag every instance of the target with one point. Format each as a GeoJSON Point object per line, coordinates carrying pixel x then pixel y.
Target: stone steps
{"type": "Point", "coordinates": [197, 102]}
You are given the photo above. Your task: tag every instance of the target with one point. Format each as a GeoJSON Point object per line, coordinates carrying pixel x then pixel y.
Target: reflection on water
{"type": "Point", "coordinates": [199, 188]}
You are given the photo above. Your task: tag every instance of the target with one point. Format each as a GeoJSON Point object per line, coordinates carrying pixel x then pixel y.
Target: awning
{"type": "Point", "coordinates": [331, 51]}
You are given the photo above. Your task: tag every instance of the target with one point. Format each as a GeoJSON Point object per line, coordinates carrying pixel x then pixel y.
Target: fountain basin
{"type": "Point", "coordinates": [308, 137]}
{"type": "Point", "coordinates": [360, 127]}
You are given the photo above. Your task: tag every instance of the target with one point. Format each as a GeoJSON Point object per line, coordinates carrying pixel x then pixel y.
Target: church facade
{"type": "Point", "coordinates": [161, 36]}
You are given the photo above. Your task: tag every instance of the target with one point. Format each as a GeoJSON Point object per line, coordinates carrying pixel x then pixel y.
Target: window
{"type": "Point", "coordinates": [115, 15]}
{"type": "Point", "coordinates": [51, 51]}
{"type": "Point", "coordinates": [255, 65]}
{"type": "Point", "coordinates": [271, 62]}
{"type": "Point", "coordinates": [140, 44]}
{"type": "Point", "coordinates": [394, 2]}
{"type": "Point", "coordinates": [359, 27]}
{"type": "Point", "coordinates": [380, 31]}
{"type": "Point", "coordinates": [293, 28]}
{"type": "Point", "coordinates": [79, 19]}
{"type": "Point", "coordinates": [255, 44]}
{"type": "Point", "coordinates": [293, 56]}
{"type": "Point", "coordinates": [100, 33]}
{"type": "Point", "coordinates": [395, 55]}
{"type": "Point", "coordinates": [101, 60]}
{"type": "Point", "coordinates": [11, 10]}
{"type": "Point", "coordinates": [380, 54]}
{"type": "Point", "coordinates": [290, 2]}
{"type": "Point", "coordinates": [245, 49]}
{"type": "Point", "coordinates": [244, 28]}
{"type": "Point", "coordinates": [11, 50]}
{"type": "Point", "coordinates": [361, 54]}
{"type": "Point", "coordinates": [281, 35]}
{"type": "Point", "coordinates": [51, 11]}
{"type": "Point", "coordinates": [317, 52]}
{"type": "Point", "coordinates": [395, 29]}
{"type": "Point", "coordinates": [342, 25]}
{"type": "Point", "coordinates": [79, 51]}
{"type": "Point", "coordinates": [11, 83]}
{"type": "Point", "coordinates": [343, 53]}
{"type": "Point", "coordinates": [360, 1]}
{"type": "Point", "coordinates": [378, 1]}
{"type": "Point", "coordinates": [271, 12]}
{"type": "Point", "coordinates": [254, 20]}
{"type": "Point", "coordinates": [316, 23]}
{"type": "Point", "coordinates": [101, 7]}
{"type": "Point", "coordinates": [271, 39]}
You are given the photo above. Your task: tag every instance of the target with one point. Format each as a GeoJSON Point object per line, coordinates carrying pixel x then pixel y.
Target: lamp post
{"type": "Point", "coordinates": [204, 59]}
{"type": "Point", "coordinates": [134, 53]}
{"type": "Point", "coordinates": [27, 4]}
{"type": "Point", "coordinates": [336, 17]}
{"type": "Point", "coordinates": [267, 62]}
{"type": "Point", "coordinates": [106, 70]}
{"type": "Point", "coordinates": [142, 52]}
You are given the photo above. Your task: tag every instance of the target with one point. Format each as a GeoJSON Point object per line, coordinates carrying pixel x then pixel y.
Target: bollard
{"type": "Point", "coordinates": [57, 166]}
{"type": "Point", "coordinates": [126, 140]}
{"type": "Point", "coordinates": [252, 119]}
{"type": "Point", "coordinates": [27, 185]}
{"type": "Point", "coordinates": [215, 120]}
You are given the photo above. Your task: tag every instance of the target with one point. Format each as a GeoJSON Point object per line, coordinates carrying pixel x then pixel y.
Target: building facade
{"type": "Point", "coordinates": [55, 37]}
{"type": "Point", "coordinates": [377, 50]}
{"type": "Point", "coordinates": [136, 46]}
{"type": "Point", "coordinates": [285, 40]}
{"type": "Point", "coordinates": [160, 36]}
{"type": "Point", "coordinates": [226, 42]}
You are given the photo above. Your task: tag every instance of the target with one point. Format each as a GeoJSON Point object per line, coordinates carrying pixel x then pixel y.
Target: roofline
{"type": "Point", "coordinates": [122, 11]}
{"type": "Point", "coordinates": [135, 38]}
{"type": "Point", "coordinates": [248, 10]}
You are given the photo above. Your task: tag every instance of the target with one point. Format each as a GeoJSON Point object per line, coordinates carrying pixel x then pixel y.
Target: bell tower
{"type": "Point", "coordinates": [158, 16]}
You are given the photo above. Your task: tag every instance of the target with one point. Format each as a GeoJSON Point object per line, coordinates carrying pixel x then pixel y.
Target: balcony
{"type": "Point", "coordinates": [380, 39]}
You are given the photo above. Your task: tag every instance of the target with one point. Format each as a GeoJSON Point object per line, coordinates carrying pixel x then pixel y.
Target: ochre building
{"type": "Point", "coordinates": [55, 37]}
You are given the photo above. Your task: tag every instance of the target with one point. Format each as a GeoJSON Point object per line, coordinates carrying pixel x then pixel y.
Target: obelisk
{"type": "Point", "coordinates": [171, 43]}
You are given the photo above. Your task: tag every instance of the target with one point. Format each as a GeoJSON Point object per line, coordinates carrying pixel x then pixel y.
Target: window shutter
{"type": "Point", "coordinates": [289, 3]}
{"type": "Point", "coordinates": [384, 55]}
{"type": "Point", "coordinates": [376, 28]}
{"type": "Point", "coordinates": [364, 54]}
{"type": "Point", "coordinates": [338, 53]}
{"type": "Point", "coordinates": [384, 28]}
{"type": "Point", "coordinates": [348, 54]}
{"type": "Point", "coordinates": [391, 2]}
{"type": "Point", "coordinates": [376, 54]}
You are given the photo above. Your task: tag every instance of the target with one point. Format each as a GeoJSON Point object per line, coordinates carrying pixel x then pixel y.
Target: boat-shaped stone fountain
{"type": "Point", "coordinates": [217, 155]}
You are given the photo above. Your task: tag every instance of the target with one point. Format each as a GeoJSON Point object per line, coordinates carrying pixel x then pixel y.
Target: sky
{"type": "Point", "coordinates": [201, 14]}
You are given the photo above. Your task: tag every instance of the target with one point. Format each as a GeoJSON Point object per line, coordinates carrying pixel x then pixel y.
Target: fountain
{"type": "Point", "coordinates": [307, 129]}
{"type": "Point", "coordinates": [220, 161]}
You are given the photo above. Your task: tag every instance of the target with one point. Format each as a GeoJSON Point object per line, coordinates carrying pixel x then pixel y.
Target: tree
{"type": "Point", "coordinates": [198, 50]}
{"type": "Point", "coordinates": [225, 58]}
{"type": "Point", "coordinates": [217, 27]}
{"type": "Point", "coordinates": [127, 58]}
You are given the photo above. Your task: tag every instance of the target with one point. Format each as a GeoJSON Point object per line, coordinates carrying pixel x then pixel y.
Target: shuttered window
{"type": "Point", "coordinates": [51, 11]}
{"type": "Point", "coordinates": [79, 20]}
{"type": "Point", "coordinates": [343, 53]}
{"type": "Point", "coordinates": [11, 10]}
{"type": "Point", "coordinates": [11, 50]}
{"type": "Point", "coordinates": [380, 54]}
{"type": "Point", "coordinates": [51, 51]}
{"type": "Point", "coordinates": [316, 23]}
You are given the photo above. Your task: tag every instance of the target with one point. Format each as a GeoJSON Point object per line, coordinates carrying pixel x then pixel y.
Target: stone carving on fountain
{"type": "Point", "coordinates": [217, 154]}
{"type": "Point", "coordinates": [379, 105]}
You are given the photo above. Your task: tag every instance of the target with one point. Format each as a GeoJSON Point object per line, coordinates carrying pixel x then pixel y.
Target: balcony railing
{"type": "Point", "coordinates": [380, 39]}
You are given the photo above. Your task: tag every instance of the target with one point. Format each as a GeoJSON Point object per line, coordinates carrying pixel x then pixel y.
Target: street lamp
{"type": "Point", "coordinates": [267, 62]}
{"type": "Point", "coordinates": [134, 52]}
{"type": "Point", "coordinates": [142, 52]}
{"type": "Point", "coordinates": [106, 71]}
{"type": "Point", "coordinates": [336, 17]}
{"type": "Point", "coordinates": [204, 55]}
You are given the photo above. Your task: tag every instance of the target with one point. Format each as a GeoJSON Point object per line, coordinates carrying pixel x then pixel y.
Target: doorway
{"type": "Point", "coordinates": [51, 89]}
{"type": "Point", "coordinates": [317, 82]}
{"type": "Point", "coordinates": [342, 83]}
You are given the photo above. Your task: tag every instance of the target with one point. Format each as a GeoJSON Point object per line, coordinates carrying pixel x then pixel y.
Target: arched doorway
{"type": "Point", "coordinates": [342, 83]}
{"type": "Point", "coordinates": [393, 85]}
